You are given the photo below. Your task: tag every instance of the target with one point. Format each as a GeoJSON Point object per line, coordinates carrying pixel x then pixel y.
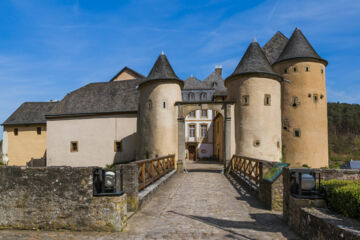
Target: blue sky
{"type": "Point", "coordinates": [50, 48]}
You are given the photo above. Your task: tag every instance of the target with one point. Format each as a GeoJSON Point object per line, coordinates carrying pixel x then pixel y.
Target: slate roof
{"type": "Point", "coordinates": [100, 98]}
{"type": "Point", "coordinates": [192, 83]}
{"type": "Point", "coordinates": [215, 81]}
{"type": "Point", "coordinates": [162, 70]}
{"type": "Point", "coordinates": [30, 113]}
{"type": "Point", "coordinates": [274, 47]}
{"type": "Point", "coordinates": [254, 61]}
{"type": "Point", "coordinates": [353, 164]}
{"type": "Point", "coordinates": [298, 47]}
{"type": "Point", "coordinates": [135, 73]}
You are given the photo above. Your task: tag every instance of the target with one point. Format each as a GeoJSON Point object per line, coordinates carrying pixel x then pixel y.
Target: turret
{"type": "Point", "coordinates": [304, 103]}
{"type": "Point", "coordinates": [255, 89]}
{"type": "Point", "coordinates": [157, 130]}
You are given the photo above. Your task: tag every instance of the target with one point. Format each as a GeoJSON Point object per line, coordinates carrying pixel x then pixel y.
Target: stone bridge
{"type": "Point", "coordinates": [202, 204]}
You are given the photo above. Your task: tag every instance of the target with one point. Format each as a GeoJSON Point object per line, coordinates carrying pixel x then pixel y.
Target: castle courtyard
{"type": "Point", "coordinates": [202, 204]}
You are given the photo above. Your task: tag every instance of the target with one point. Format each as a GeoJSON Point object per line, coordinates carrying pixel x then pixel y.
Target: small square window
{"type": "Point", "coordinates": [38, 130]}
{"type": "Point", "coordinates": [117, 146]}
{"type": "Point", "coordinates": [309, 95]}
{"type": "Point", "coordinates": [192, 114]}
{"type": "Point", "coordinates": [316, 98]}
{"type": "Point", "coordinates": [297, 132]}
{"type": "Point", "coordinates": [16, 131]}
{"type": "Point", "coordinates": [257, 143]}
{"type": "Point", "coordinates": [204, 113]}
{"type": "Point", "coordinates": [245, 100]}
{"type": "Point", "coordinates": [74, 146]}
{"type": "Point", "coordinates": [267, 100]}
{"type": "Point", "coordinates": [307, 69]}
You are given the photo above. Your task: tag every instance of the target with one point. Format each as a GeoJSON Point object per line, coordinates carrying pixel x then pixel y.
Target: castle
{"type": "Point", "coordinates": [272, 107]}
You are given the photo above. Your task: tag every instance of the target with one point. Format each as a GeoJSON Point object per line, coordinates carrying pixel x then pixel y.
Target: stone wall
{"type": "Point", "coordinates": [57, 198]}
{"type": "Point", "coordinates": [271, 193]}
{"type": "Point", "coordinates": [299, 219]}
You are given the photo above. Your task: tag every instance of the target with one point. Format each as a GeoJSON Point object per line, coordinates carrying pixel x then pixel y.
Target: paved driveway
{"type": "Point", "coordinates": [202, 204]}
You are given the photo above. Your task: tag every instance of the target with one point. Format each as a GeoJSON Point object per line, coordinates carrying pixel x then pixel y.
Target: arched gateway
{"type": "Point", "coordinates": [225, 108]}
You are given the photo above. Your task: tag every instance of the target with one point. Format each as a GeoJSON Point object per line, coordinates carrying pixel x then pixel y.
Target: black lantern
{"type": "Point", "coordinates": [107, 182]}
{"type": "Point", "coordinates": [305, 183]}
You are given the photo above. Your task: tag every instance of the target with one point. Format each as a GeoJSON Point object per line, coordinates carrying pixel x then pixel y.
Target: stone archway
{"type": "Point", "coordinates": [224, 108]}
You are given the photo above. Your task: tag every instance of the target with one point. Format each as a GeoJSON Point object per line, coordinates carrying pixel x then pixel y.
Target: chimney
{"type": "Point", "coordinates": [218, 69]}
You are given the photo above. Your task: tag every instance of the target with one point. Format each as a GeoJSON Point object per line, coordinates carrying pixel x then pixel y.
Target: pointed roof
{"type": "Point", "coordinates": [254, 61]}
{"type": "Point", "coordinates": [274, 47]}
{"type": "Point", "coordinates": [299, 47]}
{"type": "Point", "coordinates": [162, 70]}
{"type": "Point", "coordinates": [129, 70]}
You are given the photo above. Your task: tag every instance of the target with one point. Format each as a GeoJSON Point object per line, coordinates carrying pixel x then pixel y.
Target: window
{"type": "Point", "coordinates": [204, 113]}
{"type": "Point", "coordinates": [16, 131]}
{"type": "Point", "coordinates": [267, 100]}
{"type": "Point", "coordinates": [297, 132]}
{"type": "Point", "coordinates": [316, 97]}
{"type": "Point", "coordinates": [203, 131]}
{"type": "Point", "coordinates": [38, 130]}
{"type": "Point", "coordinates": [285, 70]}
{"type": "Point", "coordinates": [245, 100]}
{"type": "Point", "coordinates": [295, 102]}
{"type": "Point", "coordinates": [322, 70]}
{"type": "Point", "coordinates": [307, 69]}
{"type": "Point", "coordinates": [117, 146]}
{"type": "Point", "coordinates": [192, 114]}
{"type": "Point", "coordinates": [150, 104]}
{"type": "Point", "coordinates": [164, 104]}
{"type": "Point", "coordinates": [295, 70]}
{"type": "Point", "coordinates": [74, 146]}
{"type": "Point", "coordinates": [309, 95]}
{"type": "Point", "coordinates": [191, 96]}
{"type": "Point", "coordinates": [257, 143]}
{"type": "Point", "coordinates": [203, 96]}
{"type": "Point", "coordinates": [191, 131]}
{"type": "Point", "coordinates": [286, 124]}
{"type": "Point", "coordinates": [321, 96]}
{"type": "Point", "coordinates": [214, 84]}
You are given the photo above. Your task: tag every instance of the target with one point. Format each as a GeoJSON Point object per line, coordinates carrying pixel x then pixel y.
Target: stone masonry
{"type": "Point", "coordinates": [56, 198]}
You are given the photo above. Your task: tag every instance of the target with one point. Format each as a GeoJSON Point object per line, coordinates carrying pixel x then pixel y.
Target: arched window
{"type": "Point", "coordinates": [203, 96]}
{"type": "Point", "coordinates": [191, 96]}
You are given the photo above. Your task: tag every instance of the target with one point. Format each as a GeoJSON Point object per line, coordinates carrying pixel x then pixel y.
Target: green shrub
{"type": "Point", "coordinates": [343, 197]}
{"type": "Point", "coordinates": [1, 163]}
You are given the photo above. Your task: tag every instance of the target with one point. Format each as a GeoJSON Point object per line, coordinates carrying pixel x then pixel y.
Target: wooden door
{"type": "Point", "coordinates": [192, 152]}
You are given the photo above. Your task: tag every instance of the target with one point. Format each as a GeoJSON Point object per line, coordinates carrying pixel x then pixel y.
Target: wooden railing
{"type": "Point", "coordinates": [151, 170]}
{"type": "Point", "coordinates": [250, 168]}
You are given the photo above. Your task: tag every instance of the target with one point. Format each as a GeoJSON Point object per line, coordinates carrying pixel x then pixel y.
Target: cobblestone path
{"type": "Point", "coordinates": [202, 204]}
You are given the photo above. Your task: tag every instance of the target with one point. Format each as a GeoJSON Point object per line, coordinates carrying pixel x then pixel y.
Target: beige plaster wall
{"type": "Point", "coordinates": [309, 116]}
{"type": "Point", "coordinates": [158, 127]}
{"type": "Point", "coordinates": [124, 76]}
{"type": "Point", "coordinates": [26, 145]}
{"type": "Point", "coordinates": [257, 121]}
{"type": "Point", "coordinates": [95, 137]}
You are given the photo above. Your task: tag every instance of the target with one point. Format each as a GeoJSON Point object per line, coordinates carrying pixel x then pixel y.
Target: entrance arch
{"type": "Point", "coordinates": [225, 109]}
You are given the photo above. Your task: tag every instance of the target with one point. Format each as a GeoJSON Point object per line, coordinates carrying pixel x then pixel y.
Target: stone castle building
{"type": "Point", "coordinates": [272, 107]}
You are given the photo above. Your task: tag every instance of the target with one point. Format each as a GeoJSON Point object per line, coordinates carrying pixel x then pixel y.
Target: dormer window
{"type": "Point", "coordinates": [203, 96]}
{"type": "Point", "coordinates": [191, 96]}
{"type": "Point", "coordinates": [214, 84]}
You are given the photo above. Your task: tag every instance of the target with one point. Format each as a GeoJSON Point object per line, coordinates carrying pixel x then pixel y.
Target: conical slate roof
{"type": "Point", "coordinates": [162, 70]}
{"type": "Point", "coordinates": [254, 61]}
{"type": "Point", "coordinates": [274, 47]}
{"type": "Point", "coordinates": [298, 47]}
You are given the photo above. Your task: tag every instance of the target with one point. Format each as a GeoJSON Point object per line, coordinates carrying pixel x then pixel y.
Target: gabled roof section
{"type": "Point", "coordinates": [99, 98]}
{"type": "Point", "coordinates": [192, 83]}
{"type": "Point", "coordinates": [299, 47]}
{"type": "Point", "coordinates": [275, 46]}
{"type": "Point", "coordinates": [254, 61]}
{"type": "Point", "coordinates": [162, 70]}
{"type": "Point", "coordinates": [130, 71]}
{"type": "Point", "coordinates": [30, 113]}
{"type": "Point", "coordinates": [215, 81]}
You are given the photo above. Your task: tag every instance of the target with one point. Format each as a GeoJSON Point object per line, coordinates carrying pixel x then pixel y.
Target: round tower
{"type": "Point", "coordinates": [255, 89]}
{"type": "Point", "coordinates": [304, 103]}
{"type": "Point", "coordinates": [157, 130]}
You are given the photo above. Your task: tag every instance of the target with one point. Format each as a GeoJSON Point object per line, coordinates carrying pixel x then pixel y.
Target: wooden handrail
{"type": "Point", "coordinates": [150, 170]}
{"type": "Point", "coordinates": [250, 168]}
